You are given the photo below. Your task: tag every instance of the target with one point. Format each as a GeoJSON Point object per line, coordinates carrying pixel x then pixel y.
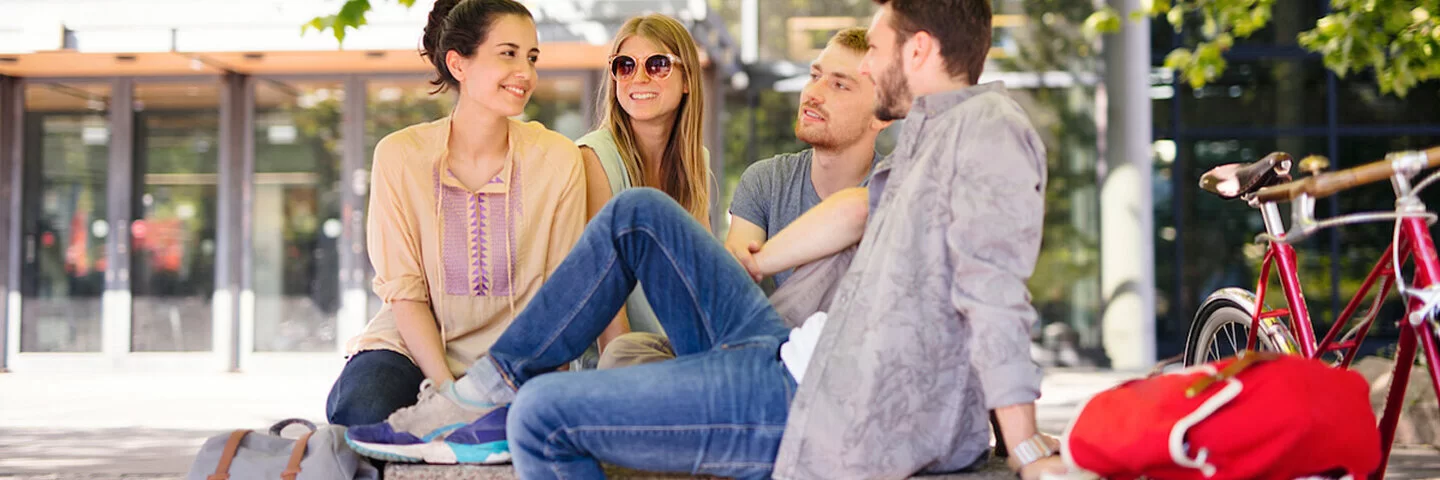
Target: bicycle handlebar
{"type": "Point", "coordinates": [1327, 184]}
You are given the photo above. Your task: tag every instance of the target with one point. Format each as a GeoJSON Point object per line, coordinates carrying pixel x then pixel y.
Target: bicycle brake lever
{"type": "Point", "coordinates": [1295, 235]}
{"type": "Point", "coordinates": [1302, 214]}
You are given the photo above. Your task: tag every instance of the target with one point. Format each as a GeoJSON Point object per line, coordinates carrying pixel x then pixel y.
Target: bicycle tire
{"type": "Point", "coordinates": [1214, 318]}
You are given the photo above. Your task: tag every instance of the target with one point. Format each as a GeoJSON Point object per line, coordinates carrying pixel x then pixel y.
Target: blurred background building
{"type": "Point", "coordinates": [1274, 96]}
{"type": "Point", "coordinates": [185, 182]}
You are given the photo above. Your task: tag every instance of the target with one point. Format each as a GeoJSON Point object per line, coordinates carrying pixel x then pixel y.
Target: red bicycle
{"type": "Point", "coordinates": [1238, 319]}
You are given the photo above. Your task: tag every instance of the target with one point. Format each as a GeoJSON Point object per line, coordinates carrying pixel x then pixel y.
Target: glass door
{"type": "Point", "coordinates": [64, 228]}
{"type": "Point", "coordinates": [296, 214]}
{"type": "Point", "coordinates": [174, 206]}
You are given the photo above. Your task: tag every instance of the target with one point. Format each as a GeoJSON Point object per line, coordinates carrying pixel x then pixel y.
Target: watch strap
{"type": "Point", "coordinates": [1032, 450]}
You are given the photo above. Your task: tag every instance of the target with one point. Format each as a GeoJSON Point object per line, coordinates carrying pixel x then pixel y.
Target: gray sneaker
{"type": "Point", "coordinates": [413, 434]}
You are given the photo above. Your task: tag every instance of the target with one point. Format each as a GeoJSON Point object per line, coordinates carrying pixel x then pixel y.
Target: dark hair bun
{"type": "Point", "coordinates": [435, 27]}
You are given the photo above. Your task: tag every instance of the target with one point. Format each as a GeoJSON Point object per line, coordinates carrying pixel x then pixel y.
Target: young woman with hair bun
{"type": "Point", "coordinates": [469, 214]}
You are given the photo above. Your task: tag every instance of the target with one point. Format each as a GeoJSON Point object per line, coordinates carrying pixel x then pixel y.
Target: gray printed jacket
{"type": "Point", "coordinates": [930, 326]}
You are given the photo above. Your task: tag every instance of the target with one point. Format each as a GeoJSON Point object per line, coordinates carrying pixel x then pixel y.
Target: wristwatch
{"type": "Point", "coordinates": [1032, 450]}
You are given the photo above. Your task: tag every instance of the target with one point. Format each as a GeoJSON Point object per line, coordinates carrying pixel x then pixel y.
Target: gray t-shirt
{"type": "Point", "coordinates": [775, 191]}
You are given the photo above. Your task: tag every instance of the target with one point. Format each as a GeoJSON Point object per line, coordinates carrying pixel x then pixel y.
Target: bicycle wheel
{"type": "Point", "coordinates": [1223, 327]}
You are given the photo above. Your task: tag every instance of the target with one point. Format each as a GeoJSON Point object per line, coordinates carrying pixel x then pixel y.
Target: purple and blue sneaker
{"type": "Point", "coordinates": [482, 442]}
{"type": "Point", "coordinates": [414, 434]}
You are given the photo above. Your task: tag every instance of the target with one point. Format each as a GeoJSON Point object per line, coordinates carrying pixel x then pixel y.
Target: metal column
{"type": "Point", "coordinates": [354, 187]}
{"type": "Point", "coordinates": [116, 302]}
{"type": "Point", "coordinates": [11, 123]}
{"type": "Point", "coordinates": [1127, 252]}
{"type": "Point", "coordinates": [234, 122]}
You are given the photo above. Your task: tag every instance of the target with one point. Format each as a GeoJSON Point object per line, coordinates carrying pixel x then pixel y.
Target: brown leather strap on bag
{"type": "Point", "coordinates": [296, 455]}
{"type": "Point", "coordinates": [222, 469]}
{"type": "Point", "coordinates": [1244, 360]}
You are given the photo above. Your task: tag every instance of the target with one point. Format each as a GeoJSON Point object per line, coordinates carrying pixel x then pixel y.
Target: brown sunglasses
{"type": "Point", "coordinates": [658, 66]}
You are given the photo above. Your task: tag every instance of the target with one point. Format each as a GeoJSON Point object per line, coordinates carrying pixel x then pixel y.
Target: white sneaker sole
{"type": "Point", "coordinates": [437, 452]}
{"type": "Point", "coordinates": [433, 452]}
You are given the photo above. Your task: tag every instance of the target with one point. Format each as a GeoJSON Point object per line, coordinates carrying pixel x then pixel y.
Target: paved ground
{"type": "Point", "coordinates": [91, 426]}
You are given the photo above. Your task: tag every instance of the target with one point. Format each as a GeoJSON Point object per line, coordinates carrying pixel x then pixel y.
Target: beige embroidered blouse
{"type": "Point", "coordinates": [477, 257]}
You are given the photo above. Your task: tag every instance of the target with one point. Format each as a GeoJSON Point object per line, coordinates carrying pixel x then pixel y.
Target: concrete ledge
{"type": "Point", "coordinates": [995, 470]}
{"type": "Point", "coordinates": [1420, 419]}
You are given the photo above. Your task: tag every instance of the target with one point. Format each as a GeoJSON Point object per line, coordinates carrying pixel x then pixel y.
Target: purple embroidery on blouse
{"type": "Point", "coordinates": [474, 233]}
{"type": "Point", "coordinates": [499, 224]}
{"type": "Point", "coordinates": [454, 238]}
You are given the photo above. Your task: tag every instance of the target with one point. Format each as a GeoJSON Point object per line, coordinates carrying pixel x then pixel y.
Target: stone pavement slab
{"type": "Point", "coordinates": [88, 426]}
{"type": "Point", "coordinates": [80, 424]}
{"type": "Point", "coordinates": [995, 470]}
{"type": "Point", "coordinates": [1407, 463]}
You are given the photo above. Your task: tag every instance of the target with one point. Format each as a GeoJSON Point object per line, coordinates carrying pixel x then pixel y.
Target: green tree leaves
{"type": "Point", "coordinates": [350, 17]}
{"type": "Point", "coordinates": [1399, 40]}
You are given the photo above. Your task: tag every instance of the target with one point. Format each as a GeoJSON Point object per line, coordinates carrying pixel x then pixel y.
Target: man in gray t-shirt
{"type": "Point", "coordinates": [837, 119]}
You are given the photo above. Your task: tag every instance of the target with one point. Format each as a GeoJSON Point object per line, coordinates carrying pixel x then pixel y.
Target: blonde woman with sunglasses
{"type": "Point", "coordinates": [650, 133]}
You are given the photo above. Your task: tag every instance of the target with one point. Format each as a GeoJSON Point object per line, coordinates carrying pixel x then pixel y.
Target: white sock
{"type": "Point", "coordinates": [465, 394]}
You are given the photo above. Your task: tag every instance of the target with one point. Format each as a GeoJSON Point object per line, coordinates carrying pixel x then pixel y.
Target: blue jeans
{"type": "Point", "coordinates": [718, 409]}
{"type": "Point", "coordinates": [374, 384]}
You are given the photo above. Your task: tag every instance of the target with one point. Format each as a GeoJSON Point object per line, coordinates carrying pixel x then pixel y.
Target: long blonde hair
{"type": "Point", "coordinates": [683, 175]}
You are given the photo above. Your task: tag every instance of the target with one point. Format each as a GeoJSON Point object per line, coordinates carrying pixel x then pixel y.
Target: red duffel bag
{"type": "Point", "coordinates": [1266, 416]}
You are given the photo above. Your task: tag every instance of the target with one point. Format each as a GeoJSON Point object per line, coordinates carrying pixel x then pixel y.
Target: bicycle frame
{"type": "Point", "coordinates": [1414, 242]}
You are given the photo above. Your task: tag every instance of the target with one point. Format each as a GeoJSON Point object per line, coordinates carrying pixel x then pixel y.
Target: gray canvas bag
{"type": "Point", "coordinates": [319, 454]}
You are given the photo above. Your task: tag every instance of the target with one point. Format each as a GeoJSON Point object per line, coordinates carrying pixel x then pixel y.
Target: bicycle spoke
{"type": "Point", "coordinates": [1228, 335]}
{"type": "Point", "coordinates": [1217, 353]}
{"type": "Point", "coordinates": [1230, 332]}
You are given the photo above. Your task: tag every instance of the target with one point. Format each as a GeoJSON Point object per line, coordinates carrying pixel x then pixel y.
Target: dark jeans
{"type": "Point", "coordinates": [374, 384]}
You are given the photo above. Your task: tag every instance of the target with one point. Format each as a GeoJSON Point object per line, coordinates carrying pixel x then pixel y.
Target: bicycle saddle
{"type": "Point", "coordinates": [1237, 179]}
